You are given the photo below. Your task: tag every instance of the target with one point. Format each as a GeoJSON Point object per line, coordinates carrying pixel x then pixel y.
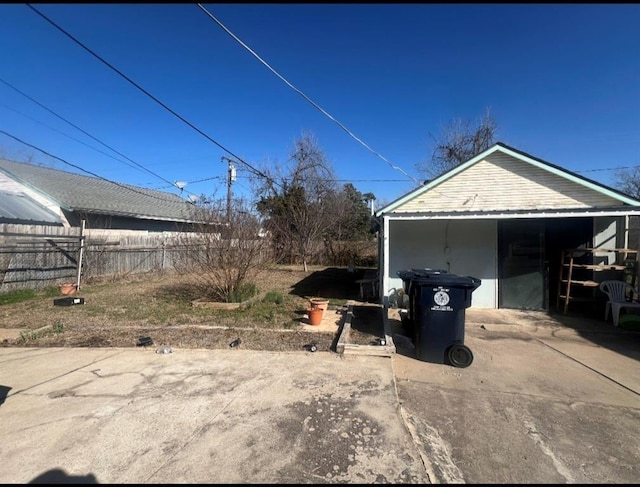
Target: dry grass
{"type": "Point", "coordinates": [118, 313]}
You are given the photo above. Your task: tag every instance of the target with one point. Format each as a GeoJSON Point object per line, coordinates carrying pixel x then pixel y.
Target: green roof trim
{"type": "Point", "coordinates": [522, 156]}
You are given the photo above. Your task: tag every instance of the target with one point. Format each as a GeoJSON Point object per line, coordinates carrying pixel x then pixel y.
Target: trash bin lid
{"type": "Point", "coordinates": [409, 274]}
{"type": "Point", "coordinates": [428, 272]}
{"type": "Point", "coordinates": [446, 279]}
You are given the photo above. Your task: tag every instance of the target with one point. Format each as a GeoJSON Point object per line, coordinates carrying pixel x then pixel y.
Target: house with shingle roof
{"type": "Point", "coordinates": [38, 195]}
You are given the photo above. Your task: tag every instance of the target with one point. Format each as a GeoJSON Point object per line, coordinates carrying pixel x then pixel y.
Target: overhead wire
{"type": "Point", "coordinates": [314, 104]}
{"type": "Point", "coordinates": [147, 93]}
{"type": "Point", "coordinates": [253, 169]}
{"type": "Point", "coordinates": [66, 135]}
{"type": "Point", "coordinates": [243, 186]}
{"type": "Point", "coordinates": [140, 166]}
{"type": "Point", "coordinates": [173, 185]}
{"type": "Point", "coordinates": [127, 187]}
{"type": "Point", "coordinates": [320, 179]}
{"type": "Point", "coordinates": [200, 180]}
{"type": "Point", "coordinates": [619, 168]}
{"type": "Point", "coordinates": [169, 183]}
{"type": "Point", "coordinates": [137, 165]}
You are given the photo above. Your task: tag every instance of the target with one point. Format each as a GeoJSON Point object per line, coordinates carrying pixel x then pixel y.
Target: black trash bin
{"type": "Point", "coordinates": [438, 302]}
{"type": "Point", "coordinates": [407, 276]}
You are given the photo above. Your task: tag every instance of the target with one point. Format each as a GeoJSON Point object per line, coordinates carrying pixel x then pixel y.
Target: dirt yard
{"type": "Point", "coordinates": [122, 312]}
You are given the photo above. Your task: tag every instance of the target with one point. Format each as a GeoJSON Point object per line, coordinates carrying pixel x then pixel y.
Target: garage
{"type": "Point", "coordinates": [506, 217]}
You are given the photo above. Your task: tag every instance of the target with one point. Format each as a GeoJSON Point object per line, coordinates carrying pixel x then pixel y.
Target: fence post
{"type": "Point", "coordinates": [164, 250]}
{"type": "Point", "coordinates": [80, 255]}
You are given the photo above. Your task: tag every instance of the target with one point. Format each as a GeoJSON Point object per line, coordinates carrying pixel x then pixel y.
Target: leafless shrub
{"type": "Point", "coordinates": [226, 252]}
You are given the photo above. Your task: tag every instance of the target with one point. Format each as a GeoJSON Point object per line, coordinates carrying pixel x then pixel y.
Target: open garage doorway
{"type": "Point", "coordinates": [529, 252]}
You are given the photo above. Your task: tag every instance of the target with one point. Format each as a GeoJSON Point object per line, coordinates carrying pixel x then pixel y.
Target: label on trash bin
{"type": "Point", "coordinates": [441, 298]}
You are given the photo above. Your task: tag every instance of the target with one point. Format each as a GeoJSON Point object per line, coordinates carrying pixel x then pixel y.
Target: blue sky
{"type": "Point", "coordinates": [561, 81]}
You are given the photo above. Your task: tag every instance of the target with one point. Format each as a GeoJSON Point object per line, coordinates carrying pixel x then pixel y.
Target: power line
{"type": "Point", "coordinates": [173, 185]}
{"type": "Point", "coordinates": [206, 179]}
{"type": "Point", "coordinates": [170, 184]}
{"type": "Point", "coordinates": [315, 105]}
{"type": "Point", "coordinates": [318, 179]}
{"type": "Point", "coordinates": [610, 168]}
{"type": "Point", "coordinates": [256, 171]}
{"type": "Point", "coordinates": [243, 186]}
{"type": "Point", "coordinates": [253, 169]}
{"type": "Point", "coordinates": [62, 133]}
{"type": "Point", "coordinates": [85, 132]}
{"type": "Point", "coordinates": [129, 188]}
{"type": "Point", "coordinates": [201, 180]}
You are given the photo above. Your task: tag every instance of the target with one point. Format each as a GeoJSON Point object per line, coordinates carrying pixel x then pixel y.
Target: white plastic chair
{"type": "Point", "coordinates": [617, 293]}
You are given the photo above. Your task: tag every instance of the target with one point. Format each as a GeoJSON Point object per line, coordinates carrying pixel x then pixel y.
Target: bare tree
{"type": "Point", "coordinates": [628, 181]}
{"type": "Point", "coordinates": [296, 200]}
{"type": "Point", "coordinates": [24, 155]}
{"type": "Point", "coordinates": [459, 141]}
{"type": "Point", "coordinates": [224, 255]}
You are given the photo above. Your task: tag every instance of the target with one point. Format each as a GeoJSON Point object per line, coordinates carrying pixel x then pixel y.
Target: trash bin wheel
{"type": "Point", "coordinates": [459, 355]}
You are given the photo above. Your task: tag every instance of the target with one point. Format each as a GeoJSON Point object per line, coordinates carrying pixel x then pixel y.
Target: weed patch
{"type": "Point", "coordinates": [21, 295]}
{"type": "Point", "coordinates": [274, 297]}
{"type": "Point", "coordinates": [17, 296]}
{"type": "Point", "coordinates": [26, 336]}
{"type": "Point", "coordinates": [115, 314]}
{"type": "Point", "coordinates": [244, 292]}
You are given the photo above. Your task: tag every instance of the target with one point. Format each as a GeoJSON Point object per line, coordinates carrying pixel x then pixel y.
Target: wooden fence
{"type": "Point", "coordinates": [34, 256]}
{"type": "Point", "coordinates": [118, 253]}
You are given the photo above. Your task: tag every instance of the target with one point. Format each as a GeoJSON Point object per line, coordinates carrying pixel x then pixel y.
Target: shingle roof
{"type": "Point", "coordinates": [93, 195]}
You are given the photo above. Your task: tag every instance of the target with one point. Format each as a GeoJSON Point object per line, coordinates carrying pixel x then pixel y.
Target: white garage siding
{"type": "Point", "coordinates": [609, 233]}
{"type": "Point", "coordinates": [451, 222]}
{"type": "Point", "coordinates": [463, 247]}
{"type": "Point", "coordinates": [502, 182]}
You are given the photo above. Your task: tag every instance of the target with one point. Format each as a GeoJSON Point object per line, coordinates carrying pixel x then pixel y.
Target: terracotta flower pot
{"type": "Point", "coordinates": [315, 316]}
{"type": "Point", "coordinates": [67, 289]}
{"type": "Point", "coordinates": [321, 303]}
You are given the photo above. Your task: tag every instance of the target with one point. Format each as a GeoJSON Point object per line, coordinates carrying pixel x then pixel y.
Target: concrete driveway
{"type": "Point", "coordinates": [201, 416]}
{"type": "Point", "coordinates": [541, 403]}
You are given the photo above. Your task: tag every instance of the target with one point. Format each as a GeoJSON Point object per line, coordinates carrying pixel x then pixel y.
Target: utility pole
{"type": "Point", "coordinates": [231, 177]}
{"type": "Point", "coordinates": [370, 198]}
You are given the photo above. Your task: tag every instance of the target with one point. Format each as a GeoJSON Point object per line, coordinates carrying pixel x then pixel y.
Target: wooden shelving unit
{"type": "Point", "coordinates": [578, 275]}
